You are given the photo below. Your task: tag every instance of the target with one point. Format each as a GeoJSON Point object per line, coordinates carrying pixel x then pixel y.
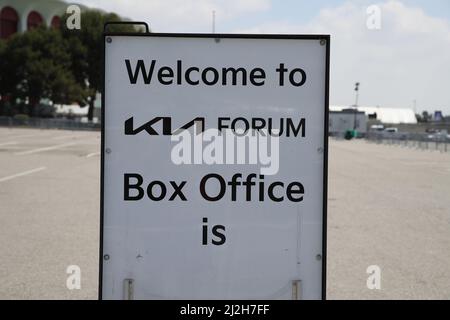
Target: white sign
{"type": "Point", "coordinates": [214, 167]}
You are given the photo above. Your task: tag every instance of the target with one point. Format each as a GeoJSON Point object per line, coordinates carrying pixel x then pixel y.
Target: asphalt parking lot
{"type": "Point", "coordinates": [388, 206]}
{"type": "Point", "coordinates": [49, 217]}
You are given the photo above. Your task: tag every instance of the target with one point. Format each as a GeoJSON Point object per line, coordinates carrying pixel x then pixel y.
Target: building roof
{"type": "Point", "coordinates": [385, 115]}
{"type": "Point", "coordinates": [346, 110]}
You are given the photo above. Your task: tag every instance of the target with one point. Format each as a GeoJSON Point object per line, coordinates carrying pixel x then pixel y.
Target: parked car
{"type": "Point", "coordinates": [376, 127]}
{"type": "Point", "coordinates": [439, 135]}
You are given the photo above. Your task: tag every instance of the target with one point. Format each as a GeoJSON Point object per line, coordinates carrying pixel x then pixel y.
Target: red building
{"type": "Point", "coordinates": [23, 15]}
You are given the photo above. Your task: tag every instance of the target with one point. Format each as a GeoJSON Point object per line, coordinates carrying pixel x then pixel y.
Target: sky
{"type": "Point", "coordinates": [401, 60]}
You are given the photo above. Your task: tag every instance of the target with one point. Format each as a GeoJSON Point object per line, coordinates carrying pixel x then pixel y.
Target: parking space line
{"type": "Point", "coordinates": [65, 137]}
{"type": "Point", "coordinates": [24, 136]}
{"type": "Point", "coordinates": [7, 143]}
{"type": "Point", "coordinates": [59, 146]}
{"type": "Point", "coordinates": [21, 174]}
{"type": "Point", "coordinates": [93, 154]}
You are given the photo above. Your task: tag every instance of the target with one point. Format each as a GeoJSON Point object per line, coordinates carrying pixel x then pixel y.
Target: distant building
{"type": "Point", "coordinates": [437, 116]}
{"type": "Point", "coordinates": [339, 122]}
{"type": "Point", "coordinates": [23, 15]}
{"type": "Point", "coordinates": [70, 110]}
{"type": "Point", "coordinates": [384, 115]}
{"type": "Point", "coordinates": [76, 111]}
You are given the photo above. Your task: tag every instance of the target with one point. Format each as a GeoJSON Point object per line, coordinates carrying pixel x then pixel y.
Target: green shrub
{"type": "Point", "coordinates": [21, 118]}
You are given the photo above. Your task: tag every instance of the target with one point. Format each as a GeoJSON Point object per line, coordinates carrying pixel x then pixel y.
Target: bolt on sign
{"type": "Point", "coordinates": [214, 166]}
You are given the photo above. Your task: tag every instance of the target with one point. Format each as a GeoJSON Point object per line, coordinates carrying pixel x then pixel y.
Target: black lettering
{"type": "Point", "coordinates": [203, 187]}
{"type": "Point", "coordinates": [140, 68]}
{"type": "Point", "coordinates": [248, 186]}
{"type": "Point", "coordinates": [245, 129]}
{"type": "Point", "coordinates": [292, 77]}
{"type": "Point", "coordinates": [179, 72]}
{"type": "Point", "coordinates": [205, 78]}
{"type": "Point", "coordinates": [281, 70]}
{"type": "Point", "coordinates": [274, 132]}
{"type": "Point", "coordinates": [234, 73]}
{"type": "Point", "coordinates": [290, 126]}
{"type": "Point", "coordinates": [177, 191]}
{"type": "Point", "coordinates": [216, 232]}
{"type": "Point", "coordinates": [261, 187]}
{"type": "Point", "coordinates": [165, 72]}
{"type": "Point", "coordinates": [220, 125]}
{"type": "Point", "coordinates": [150, 190]}
{"type": "Point", "coordinates": [199, 126]}
{"type": "Point", "coordinates": [234, 183]}
{"type": "Point", "coordinates": [257, 74]}
{"type": "Point", "coordinates": [295, 188]}
{"type": "Point", "coordinates": [270, 191]}
{"type": "Point", "coordinates": [188, 76]}
{"type": "Point", "coordinates": [261, 125]}
{"type": "Point", "coordinates": [205, 232]}
{"type": "Point", "coordinates": [137, 186]}
{"type": "Point", "coordinates": [167, 126]}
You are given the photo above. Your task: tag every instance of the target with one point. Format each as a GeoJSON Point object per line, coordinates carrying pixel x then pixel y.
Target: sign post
{"type": "Point", "coordinates": [214, 166]}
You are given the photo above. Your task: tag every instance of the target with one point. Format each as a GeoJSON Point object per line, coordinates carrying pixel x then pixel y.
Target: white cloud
{"type": "Point", "coordinates": [407, 59]}
{"type": "Point", "coordinates": [180, 15]}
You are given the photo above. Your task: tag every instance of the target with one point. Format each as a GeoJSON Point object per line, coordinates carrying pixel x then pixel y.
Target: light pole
{"type": "Point", "coordinates": [356, 104]}
{"type": "Point", "coordinates": [357, 93]}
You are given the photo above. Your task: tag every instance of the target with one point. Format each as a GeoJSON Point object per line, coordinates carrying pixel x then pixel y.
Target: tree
{"type": "Point", "coordinates": [2, 63]}
{"type": "Point", "coordinates": [419, 118]}
{"type": "Point", "coordinates": [8, 77]}
{"type": "Point", "coordinates": [91, 36]}
{"type": "Point", "coordinates": [2, 75]}
{"type": "Point", "coordinates": [38, 64]}
{"type": "Point", "coordinates": [425, 116]}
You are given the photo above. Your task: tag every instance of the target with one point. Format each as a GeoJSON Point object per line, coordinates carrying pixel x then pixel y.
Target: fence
{"type": "Point", "coordinates": [43, 123]}
{"type": "Point", "coordinates": [423, 141]}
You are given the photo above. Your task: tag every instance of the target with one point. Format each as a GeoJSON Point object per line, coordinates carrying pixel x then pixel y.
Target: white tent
{"type": "Point", "coordinates": [385, 115]}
